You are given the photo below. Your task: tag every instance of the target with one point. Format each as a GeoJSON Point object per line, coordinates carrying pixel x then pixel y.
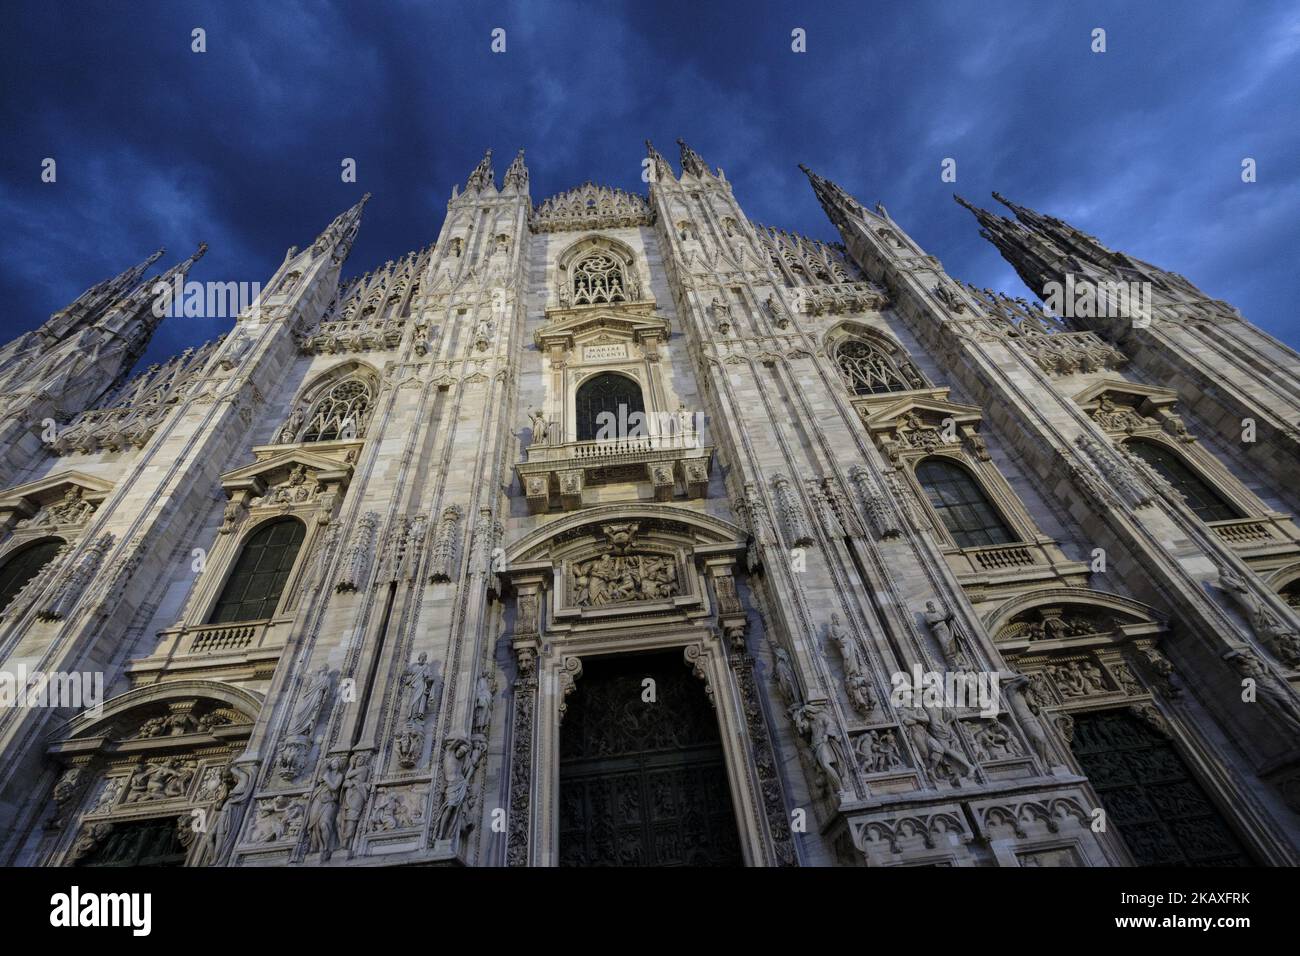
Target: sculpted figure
{"type": "Point", "coordinates": [232, 796]}
{"type": "Point", "coordinates": [354, 798]}
{"type": "Point", "coordinates": [322, 813]}
{"type": "Point", "coordinates": [303, 720]}
{"type": "Point", "coordinates": [418, 680]}
{"type": "Point", "coordinates": [455, 787]}
{"type": "Point", "coordinates": [933, 740]}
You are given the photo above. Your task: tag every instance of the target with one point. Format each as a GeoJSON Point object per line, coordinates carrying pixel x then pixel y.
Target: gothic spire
{"type": "Point", "coordinates": [91, 304]}
{"type": "Point", "coordinates": [838, 204]}
{"type": "Point", "coordinates": [660, 165]}
{"type": "Point", "coordinates": [340, 233]}
{"type": "Point", "coordinates": [483, 174]}
{"type": "Point", "coordinates": [692, 162]}
{"type": "Point", "coordinates": [517, 174]}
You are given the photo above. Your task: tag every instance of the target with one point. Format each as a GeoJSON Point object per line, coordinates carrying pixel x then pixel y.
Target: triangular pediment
{"type": "Point", "coordinates": [931, 406]}
{"type": "Point", "coordinates": [329, 464]}
{"type": "Point", "coordinates": [573, 328]}
{"type": "Point", "coordinates": [65, 498]}
{"type": "Point", "coordinates": [1145, 397]}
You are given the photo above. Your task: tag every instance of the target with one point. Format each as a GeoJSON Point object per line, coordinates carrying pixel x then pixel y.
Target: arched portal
{"type": "Point", "coordinates": [643, 777]}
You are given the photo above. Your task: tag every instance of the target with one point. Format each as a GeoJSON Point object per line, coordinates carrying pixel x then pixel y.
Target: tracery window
{"type": "Point", "coordinates": [598, 278]}
{"type": "Point", "coordinates": [609, 395]}
{"type": "Point", "coordinates": [341, 413]}
{"type": "Point", "coordinates": [253, 589]}
{"type": "Point", "coordinates": [1200, 497]}
{"type": "Point", "coordinates": [961, 504]}
{"type": "Point", "coordinates": [24, 565]}
{"type": "Point", "coordinates": [867, 370]}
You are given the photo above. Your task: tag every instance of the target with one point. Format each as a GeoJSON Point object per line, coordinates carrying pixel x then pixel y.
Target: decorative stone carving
{"type": "Point", "coordinates": [322, 811]}
{"type": "Point", "coordinates": [459, 759]}
{"type": "Point", "coordinates": [410, 746]}
{"type": "Point", "coordinates": [1277, 697]}
{"type": "Point", "coordinates": [623, 578]}
{"type": "Point", "coordinates": [1018, 692]}
{"type": "Point", "coordinates": [879, 751]}
{"type": "Point", "coordinates": [442, 563]}
{"type": "Point", "coordinates": [395, 810]}
{"type": "Point", "coordinates": [1116, 474]}
{"type": "Point", "coordinates": [880, 516]}
{"type": "Point", "coordinates": [419, 680]}
{"type": "Point", "coordinates": [856, 682]}
{"type": "Point", "coordinates": [798, 533]}
{"type": "Point", "coordinates": [278, 818]}
{"type": "Point", "coordinates": [1077, 679]}
{"type": "Point", "coordinates": [302, 724]}
{"type": "Point", "coordinates": [591, 207]}
{"type": "Point", "coordinates": [993, 741]}
{"type": "Point", "coordinates": [89, 840]}
{"type": "Point", "coordinates": [231, 800]}
{"type": "Point", "coordinates": [356, 562]}
{"type": "Point", "coordinates": [160, 780]}
{"type": "Point", "coordinates": [820, 730]}
{"type": "Point", "coordinates": [1271, 631]}
{"type": "Point", "coordinates": [355, 787]}
{"type": "Point", "coordinates": [935, 742]}
{"type": "Point", "coordinates": [68, 591]}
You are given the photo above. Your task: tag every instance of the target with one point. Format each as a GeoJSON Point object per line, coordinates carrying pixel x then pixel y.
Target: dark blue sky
{"type": "Point", "coordinates": [241, 146]}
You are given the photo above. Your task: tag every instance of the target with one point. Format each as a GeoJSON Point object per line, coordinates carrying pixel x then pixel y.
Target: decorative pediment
{"type": "Point", "coordinates": [66, 499]}
{"type": "Point", "coordinates": [573, 328]}
{"type": "Point", "coordinates": [924, 422]}
{"type": "Point", "coordinates": [1144, 397]}
{"type": "Point", "coordinates": [1120, 406]}
{"type": "Point", "coordinates": [300, 473]}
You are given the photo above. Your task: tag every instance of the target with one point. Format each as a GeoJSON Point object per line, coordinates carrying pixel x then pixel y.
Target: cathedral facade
{"type": "Point", "coordinates": [618, 529]}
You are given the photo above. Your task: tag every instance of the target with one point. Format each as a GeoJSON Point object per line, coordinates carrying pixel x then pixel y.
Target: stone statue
{"type": "Point", "coordinates": [231, 801]}
{"type": "Point", "coordinates": [322, 812]}
{"type": "Point", "coordinates": [455, 783]}
{"type": "Point", "coordinates": [418, 679]}
{"type": "Point", "coordinates": [939, 620]}
{"type": "Point", "coordinates": [540, 427]}
{"type": "Point", "coordinates": [1270, 690]}
{"type": "Point", "coordinates": [305, 714]}
{"type": "Point", "coordinates": [855, 680]}
{"type": "Point", "coordinates": [354, 798]}
{"type": "Point", "coordinates": [1018, 689]}
{"type": "Point", "coordinates": [482, 705]}
{"type": "Point", "coordinates": [827, 745]}
{"type": "Point", "coordinates": [934, 742]}
{"type": "Point", "coordinates": [785, 677]}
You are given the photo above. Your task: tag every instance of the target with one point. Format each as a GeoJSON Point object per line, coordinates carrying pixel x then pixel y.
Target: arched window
{"type": "Point", "coordinates": [616, 394]}
{"type": "Point", "coordinates": [867, 370]}
{"type": "Point", "coordinates": [340, 413]}
{"type": "Point", "coordinates": [1200, 497]}
{"type": "Point", "coordinates": [598, 278]}
{"type": "Point", "coordinates": [24, 565]}
{"type": "Point", "coordinates": [961, 504]}
{"type": "Point", "coordinates": [253, 589]}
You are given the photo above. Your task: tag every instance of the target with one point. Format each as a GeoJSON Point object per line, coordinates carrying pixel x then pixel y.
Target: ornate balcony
{"type": "Point", "coordinates": [563, 470]}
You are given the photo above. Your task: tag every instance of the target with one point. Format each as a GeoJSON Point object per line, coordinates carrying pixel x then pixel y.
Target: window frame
{"type": "Point", "coordinates": [290, 574]}
{"type": "Point", "coordinates": [1014, 537]}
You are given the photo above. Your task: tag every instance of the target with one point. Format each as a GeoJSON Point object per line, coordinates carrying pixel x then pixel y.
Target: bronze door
{"type": "Point", "coordinates": [1156, 805]}
{"type": "Point", "coordinates": [643, 783]}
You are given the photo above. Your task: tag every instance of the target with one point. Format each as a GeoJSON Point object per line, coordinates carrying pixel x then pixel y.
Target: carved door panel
{"type": "Point", "coordinates": [1157, 806]}
{"type": "Point", "coordinates": [153, 842]}
{"type": "Point", "coordinates": [643, 782]}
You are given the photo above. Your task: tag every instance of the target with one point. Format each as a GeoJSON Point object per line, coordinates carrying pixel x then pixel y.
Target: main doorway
{"type": "Point", "coordinates": [642, 773]}
{"type": "Point", "coordinates": [1158, 807]}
